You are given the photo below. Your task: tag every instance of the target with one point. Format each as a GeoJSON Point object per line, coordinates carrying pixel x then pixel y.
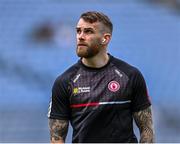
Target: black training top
{"type": "Point", "coordinates": [99, 102]}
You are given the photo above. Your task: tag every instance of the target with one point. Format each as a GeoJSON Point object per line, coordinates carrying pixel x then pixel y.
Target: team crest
{"type": "Point", "coordinates": [113, 86]}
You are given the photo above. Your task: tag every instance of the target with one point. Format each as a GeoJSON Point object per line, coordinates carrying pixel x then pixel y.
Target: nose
{"type": "Point", "coordinates": [81, 36]}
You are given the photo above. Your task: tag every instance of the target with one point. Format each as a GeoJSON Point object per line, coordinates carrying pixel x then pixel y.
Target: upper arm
{"type": "Point", "coordinates": [140, 97]}
{"type": "Point", "coordinates": [143, 119]}
{"type": "Point", "coordinates": [59, 104]}
{"type": "Point", "coordinates": [58, 130]}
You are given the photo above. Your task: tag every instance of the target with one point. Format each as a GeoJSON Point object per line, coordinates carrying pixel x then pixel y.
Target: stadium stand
{"type": "Point", "coordinates": [37, 43]}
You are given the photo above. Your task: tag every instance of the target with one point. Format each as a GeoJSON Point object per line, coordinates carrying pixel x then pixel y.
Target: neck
{"type": "Point", "coordinates": [97, 61]}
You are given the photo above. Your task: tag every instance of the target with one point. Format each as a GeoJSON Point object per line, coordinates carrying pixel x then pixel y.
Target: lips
{"type": "Point", "coordinates": [82, 44]}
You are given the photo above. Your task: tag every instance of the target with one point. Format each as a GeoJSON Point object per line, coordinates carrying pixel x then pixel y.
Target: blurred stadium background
{"type": "Point", "coordinates": [37, 43]}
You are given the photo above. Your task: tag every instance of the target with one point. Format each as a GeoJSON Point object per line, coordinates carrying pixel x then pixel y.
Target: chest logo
{"type": "Point", "coordinates": [81, 90]}
{"type": "Point", "coordinates": [113, 86]}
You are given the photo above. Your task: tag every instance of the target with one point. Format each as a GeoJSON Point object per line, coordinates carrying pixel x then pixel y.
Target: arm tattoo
{"type": "Point", "coordinates": [144, 122]}
{"type": "Point", "coordinates": [58, 130]}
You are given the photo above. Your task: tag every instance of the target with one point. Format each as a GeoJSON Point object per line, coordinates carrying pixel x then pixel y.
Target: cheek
{"type": "Point", "coordinates": [95, 42]}
{"type": "Point", "coordinates": [77, 39]}
{"type": "Point", "coordinates": [97, 45]}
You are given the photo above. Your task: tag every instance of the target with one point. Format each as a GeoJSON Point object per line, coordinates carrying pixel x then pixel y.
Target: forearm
{"type": "Point", "coordinates": [58, 130]}
{"type": "Point", "coordinates": [147, 136]}
{"type": "Point", "coordinates": [144, 122]}
{"type": "Point", "coordinates": [53, 141]}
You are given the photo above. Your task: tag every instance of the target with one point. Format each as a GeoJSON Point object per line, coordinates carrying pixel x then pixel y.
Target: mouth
{"type": "Point", "coordinates": [82, 44]}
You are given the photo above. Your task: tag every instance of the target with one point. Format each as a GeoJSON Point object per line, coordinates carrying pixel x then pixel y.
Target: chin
{"type": "Point", "coordinates": [86, 53]}
{"type": "Point", "coordinates": [82, 55]}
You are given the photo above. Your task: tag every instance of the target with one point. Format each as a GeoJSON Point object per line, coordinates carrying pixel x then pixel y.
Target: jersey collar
{"type": "Point", "coordinates": [92, 68]}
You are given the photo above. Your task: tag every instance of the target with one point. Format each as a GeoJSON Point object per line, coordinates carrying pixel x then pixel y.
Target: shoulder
{"type": "Point", "coordinates": [128, 69]}
{"type": "Point", "coordinates": [68, 74]}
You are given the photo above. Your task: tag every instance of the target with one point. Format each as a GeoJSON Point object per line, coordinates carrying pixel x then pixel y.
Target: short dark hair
{"type": "Point", "coordinates": [94, 16]}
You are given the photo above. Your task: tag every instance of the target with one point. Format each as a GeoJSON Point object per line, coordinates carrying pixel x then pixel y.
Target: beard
{"type": "Point", "coordinates": [88, 51]}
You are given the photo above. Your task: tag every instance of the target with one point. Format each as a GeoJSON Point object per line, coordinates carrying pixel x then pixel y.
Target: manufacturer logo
{"type": "Point", "coordinates": [119, 73]}
{"type": "Point", "coordinates": [113, 86]}
{"type": "Point", "coordinates": [77, 77]}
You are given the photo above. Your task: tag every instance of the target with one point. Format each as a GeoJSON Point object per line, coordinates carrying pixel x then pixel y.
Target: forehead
{"type": "Point", "coordinates": [83, 24]}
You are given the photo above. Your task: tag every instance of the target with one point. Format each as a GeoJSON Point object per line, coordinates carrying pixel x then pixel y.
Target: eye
{"type": "Point", "coordinates": [78, 31]}
{"type": "Point", "coordinates": [88, 31]}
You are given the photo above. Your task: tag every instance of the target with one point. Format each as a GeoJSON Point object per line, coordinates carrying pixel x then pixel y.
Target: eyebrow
{"type": "Point", "coordinates": [89, 28]}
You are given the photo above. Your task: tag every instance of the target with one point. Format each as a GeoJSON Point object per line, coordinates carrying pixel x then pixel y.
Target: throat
{"type": "Point", "coordinates": [96, 62]}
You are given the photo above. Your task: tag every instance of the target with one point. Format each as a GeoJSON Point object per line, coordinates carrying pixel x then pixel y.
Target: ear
{"type": "Point", "coordinates": [106, 38]}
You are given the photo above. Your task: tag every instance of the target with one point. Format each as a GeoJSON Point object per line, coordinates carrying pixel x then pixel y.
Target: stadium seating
{"type": "Point", "coordinates": [145, 35]}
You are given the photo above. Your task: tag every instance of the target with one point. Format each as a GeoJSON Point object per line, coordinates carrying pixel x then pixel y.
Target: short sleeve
{"type": "Point", "coordinates": [59, 104]}
{"type": "Point", "coordinates": [140, 97]}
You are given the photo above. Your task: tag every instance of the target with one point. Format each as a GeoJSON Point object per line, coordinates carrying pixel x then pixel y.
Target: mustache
{"type": "Point", "coordinates": [82, 44]}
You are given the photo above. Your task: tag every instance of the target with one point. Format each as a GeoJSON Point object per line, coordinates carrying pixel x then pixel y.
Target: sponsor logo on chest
{"type": "Point", "coordinates": [78, 90]}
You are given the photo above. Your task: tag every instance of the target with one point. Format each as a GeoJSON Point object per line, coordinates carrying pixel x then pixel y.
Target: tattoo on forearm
{"type": "Point", "coordinates": [58, 129]}
{"type": "Point", "coordinates": [144, 121]}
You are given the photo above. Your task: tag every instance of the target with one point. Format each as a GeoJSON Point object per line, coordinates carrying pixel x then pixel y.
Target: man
{"type": "Point", "coordinates": [100, 95]}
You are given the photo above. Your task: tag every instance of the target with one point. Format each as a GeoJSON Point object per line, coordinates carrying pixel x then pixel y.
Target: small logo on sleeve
{"type": "Point", "coordinates": [113, 86]}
